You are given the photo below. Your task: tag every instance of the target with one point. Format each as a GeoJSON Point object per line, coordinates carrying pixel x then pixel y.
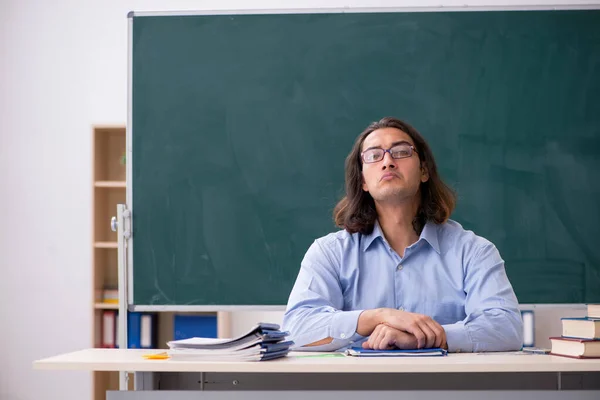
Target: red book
{"type": "Point", "coordinates": [575, 348]}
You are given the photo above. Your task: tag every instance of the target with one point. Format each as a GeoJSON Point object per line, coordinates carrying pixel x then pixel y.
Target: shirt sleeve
{"type": "Point", "coordinates": [493, 321]}
{"type": "Point", "coordinates": [314, 308]}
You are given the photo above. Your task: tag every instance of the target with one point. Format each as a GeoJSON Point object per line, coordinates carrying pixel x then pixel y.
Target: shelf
{"type": "Point", "coordinates": [106, 306]}
{"type": "Point", "coordinates": [109, 149]}
{"type": "Point", "coordinates": [106, 245]}
{"type": "Point", "coordinates": [110, 184]}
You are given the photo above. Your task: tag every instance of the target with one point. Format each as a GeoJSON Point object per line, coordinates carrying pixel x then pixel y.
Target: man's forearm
{"type": "Point", "coordinates": [368, 321]}
{"type": "Point", "coordinates": [320, 342]}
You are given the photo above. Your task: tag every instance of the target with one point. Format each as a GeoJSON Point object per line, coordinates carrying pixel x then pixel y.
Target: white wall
{"type": "Point", "coordinates": [62, 69]}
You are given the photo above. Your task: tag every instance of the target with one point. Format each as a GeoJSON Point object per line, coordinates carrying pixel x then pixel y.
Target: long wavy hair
{"type": "Point", "coordinates": [356, 211]}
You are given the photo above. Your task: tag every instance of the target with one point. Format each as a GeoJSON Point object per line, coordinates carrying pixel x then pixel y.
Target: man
{"type": "Point", "coordinates": [401, 272]}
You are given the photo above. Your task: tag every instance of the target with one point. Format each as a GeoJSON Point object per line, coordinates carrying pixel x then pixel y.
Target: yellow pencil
{"type": "Point", "coordinates": [157, 356]}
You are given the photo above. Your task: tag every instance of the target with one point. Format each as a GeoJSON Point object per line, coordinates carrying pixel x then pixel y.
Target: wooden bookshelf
{"type": "Point", "coordinates": [109, 188]}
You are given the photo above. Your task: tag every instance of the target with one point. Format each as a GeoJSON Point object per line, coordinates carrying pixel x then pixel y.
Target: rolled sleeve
{"type": "Point", "coordinates": [344, 323]}
{"type": "Point", "coordinates": [340, 326]}
{"type": "Point", "coordinates": [457, 338]}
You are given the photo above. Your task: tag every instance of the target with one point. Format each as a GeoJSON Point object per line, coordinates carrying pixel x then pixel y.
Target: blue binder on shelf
{"type": "Point", "coordinates": [187, 326]}
{"type": "Point", "coordinates": [141, 330]}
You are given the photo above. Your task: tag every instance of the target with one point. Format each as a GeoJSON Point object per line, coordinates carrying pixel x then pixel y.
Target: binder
{"type": "Point", "coordinates": [147, 331]}
{"type": "Point", "coordinates": [109, 330]}
{"type": "Point", "coordinates": [133, 330]}
{"type": "Point", "coordinates": [189, 326]}
{"type": "Point", "coordinates": [360, 352]}
{"type": "Point", "coordinates": [142, 330]}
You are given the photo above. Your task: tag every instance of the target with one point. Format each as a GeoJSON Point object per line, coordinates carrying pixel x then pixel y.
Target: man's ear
{"type": "Point", "coordinates": [424, 174]}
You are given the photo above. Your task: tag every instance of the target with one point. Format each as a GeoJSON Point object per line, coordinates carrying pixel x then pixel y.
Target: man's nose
{"type": "Point", "coordinates": [388, 161]}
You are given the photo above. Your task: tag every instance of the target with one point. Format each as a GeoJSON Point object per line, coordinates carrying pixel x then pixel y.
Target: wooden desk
{"type": "Point", "coordinates": [131, 360]}
{"type": "Point", "coordinates": [459, 372]}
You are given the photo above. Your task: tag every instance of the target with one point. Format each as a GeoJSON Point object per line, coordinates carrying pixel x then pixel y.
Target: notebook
{"type": "Point", "coordinates": [360, 352]}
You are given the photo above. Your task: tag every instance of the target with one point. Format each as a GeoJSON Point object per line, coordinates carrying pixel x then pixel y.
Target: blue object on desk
{"type": "Point", "coordinates": [360, 352]}
{"type": "Point", "coordinates": [189, 326]}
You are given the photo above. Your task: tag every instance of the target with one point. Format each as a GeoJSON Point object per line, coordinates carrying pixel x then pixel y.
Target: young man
{"type": "Point", "coordinates": [401, 272]}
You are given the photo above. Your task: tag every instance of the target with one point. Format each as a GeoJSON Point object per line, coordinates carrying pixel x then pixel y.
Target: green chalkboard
{"type": "Point", "coordinates": [241, 123]}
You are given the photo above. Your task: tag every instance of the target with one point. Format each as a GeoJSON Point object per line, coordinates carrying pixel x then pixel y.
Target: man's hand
{"type": "Point", "coordinates": [385, 337]}
{"type": "Point", "coordinates": [427, 332]}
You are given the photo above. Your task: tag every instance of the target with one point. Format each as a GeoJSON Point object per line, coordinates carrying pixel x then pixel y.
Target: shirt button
{"type": "Point", "coordinates": [399, 268]}
{"type": "Point", "coordinates": [343, 335]}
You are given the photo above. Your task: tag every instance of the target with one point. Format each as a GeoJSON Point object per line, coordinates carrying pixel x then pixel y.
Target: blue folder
{"type": "Point", "coordinates": [360, 352]}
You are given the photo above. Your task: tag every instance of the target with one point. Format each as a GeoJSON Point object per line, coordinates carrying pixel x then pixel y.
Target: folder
{"type": "Point", "coordinates": [360, 352]}
{"type": "Point", "coordinates": [109, 331]}
{"type": "Point", "coordinates": [133, 330]}
{"type": "Point", "coordinates": [187, 326]}
{"type": "Point", "coordinates": [147, 331]}
{"type": "Point", "coordinates": [141, 330]}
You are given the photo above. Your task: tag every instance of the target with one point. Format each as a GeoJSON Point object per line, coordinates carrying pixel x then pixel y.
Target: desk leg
{"type": "Point", "coordinates": [144, 381]}
{"type": "Point", "coordinates": [559, 383]}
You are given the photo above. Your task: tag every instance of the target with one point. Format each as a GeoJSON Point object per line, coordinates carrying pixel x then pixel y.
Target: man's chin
{"type": "Point", "coordinates": [393, 195]}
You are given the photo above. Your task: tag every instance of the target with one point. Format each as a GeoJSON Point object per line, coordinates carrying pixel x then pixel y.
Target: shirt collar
{"type": "Point", "coordinates": [428, 234]}
{"type": "Point", "coordinates": [370, 238]}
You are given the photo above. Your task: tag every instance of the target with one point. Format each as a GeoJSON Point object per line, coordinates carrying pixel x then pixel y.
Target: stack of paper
{"type": "Point", "coordinates": [261, 343]}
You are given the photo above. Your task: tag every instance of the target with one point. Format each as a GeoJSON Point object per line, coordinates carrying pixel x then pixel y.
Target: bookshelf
{"type": "Point", "coordinates": [109, 189]}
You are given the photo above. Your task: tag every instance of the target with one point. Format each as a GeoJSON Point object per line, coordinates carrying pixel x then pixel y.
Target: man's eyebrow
{"type": "Point", "coordinates": [393, 144]}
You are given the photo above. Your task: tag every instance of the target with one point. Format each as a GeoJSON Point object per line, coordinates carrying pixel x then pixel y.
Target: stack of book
{"type": "Point", "coordinates": [580, 336]}
{"type": "Point", "coordinates": [263, 342]}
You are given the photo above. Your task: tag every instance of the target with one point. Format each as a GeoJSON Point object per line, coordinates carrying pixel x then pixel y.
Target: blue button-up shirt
{"type": "Point", "coordinates": [450, 274]}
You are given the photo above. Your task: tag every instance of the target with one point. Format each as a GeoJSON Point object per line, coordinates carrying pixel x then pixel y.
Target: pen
{"type": "Point", "coordinates": [156, 356]}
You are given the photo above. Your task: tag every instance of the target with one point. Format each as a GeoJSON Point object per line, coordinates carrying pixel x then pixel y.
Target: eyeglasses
{"type": "Point", "coordinates": [399, 151]}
